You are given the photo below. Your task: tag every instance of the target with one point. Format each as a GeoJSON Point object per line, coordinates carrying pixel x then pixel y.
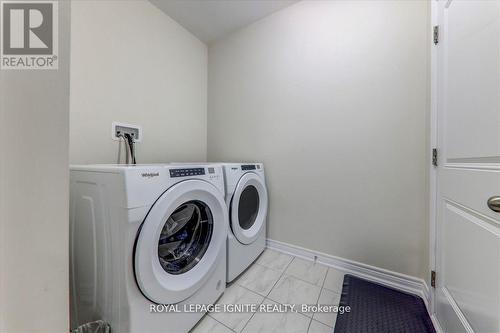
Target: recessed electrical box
{"type": "Point", "coordinates": [118, 129]}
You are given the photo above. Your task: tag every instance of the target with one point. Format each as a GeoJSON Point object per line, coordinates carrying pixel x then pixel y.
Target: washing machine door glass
{"type": "Point", "coordinates": [185, 237]}
{"type": "Point", "coordinates": [181, 242]}
{"type": "Point", "coordinates": [248, 208]}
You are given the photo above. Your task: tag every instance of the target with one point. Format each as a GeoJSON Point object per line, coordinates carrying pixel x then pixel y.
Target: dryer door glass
{"type": "Point", "coordinates": [185, 237]}
{"type": "Point", "coordinates": [248, 207]}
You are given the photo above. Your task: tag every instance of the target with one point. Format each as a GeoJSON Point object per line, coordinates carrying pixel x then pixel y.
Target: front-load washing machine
{"type": "Point", "coordinates": [146, 236]}
{"type": "Point", "coordinates": [247, 202]}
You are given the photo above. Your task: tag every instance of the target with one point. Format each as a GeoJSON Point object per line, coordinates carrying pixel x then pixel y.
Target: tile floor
{"type": "Point", "coordinates": [278, 278]}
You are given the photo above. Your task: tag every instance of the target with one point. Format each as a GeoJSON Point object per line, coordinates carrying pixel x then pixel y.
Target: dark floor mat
{"type": "Point", "coordinates": [378, 309]}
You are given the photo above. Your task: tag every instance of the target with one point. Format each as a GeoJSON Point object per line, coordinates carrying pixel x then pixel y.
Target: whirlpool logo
{"type": "Point", "coordinates": [150, 174]}
{"type": "Point", "coordinates": [29, 38]}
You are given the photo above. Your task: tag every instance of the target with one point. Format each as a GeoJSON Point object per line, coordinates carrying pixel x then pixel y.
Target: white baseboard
{"type": "Point", "coordinates": [437, 327]}
{"type": "Point", "coordinates": [406, 283]}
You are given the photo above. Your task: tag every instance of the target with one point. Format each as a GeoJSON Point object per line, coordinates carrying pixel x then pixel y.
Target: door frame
{"type": "Point", "coordinates": [433, 144]}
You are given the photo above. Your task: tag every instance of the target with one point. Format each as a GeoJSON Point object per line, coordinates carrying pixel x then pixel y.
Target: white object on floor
{"type": "Point", "coordinates": [247, 201]}
{"type": "Point", "coordinates": [142, 235]}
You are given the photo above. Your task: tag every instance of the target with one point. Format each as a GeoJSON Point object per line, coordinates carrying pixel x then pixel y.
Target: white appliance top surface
{"type": "Point", "coordinates": [132, 166]}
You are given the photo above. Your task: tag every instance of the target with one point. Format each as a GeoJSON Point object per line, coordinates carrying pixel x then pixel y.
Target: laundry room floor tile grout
{"type": "Point", "coordinates": [253, 314]}
{"type": "Point", "coordinates": [266, 297]}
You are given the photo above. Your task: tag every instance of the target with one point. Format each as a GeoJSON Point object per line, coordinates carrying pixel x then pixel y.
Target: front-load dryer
{"type": "Point", "coordinates": [247, 202]}
{"type": "Point", "coordinates": [143, 237]}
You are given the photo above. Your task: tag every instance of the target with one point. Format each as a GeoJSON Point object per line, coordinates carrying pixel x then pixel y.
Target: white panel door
{"type": "Point", "coordinates": [467, 291]}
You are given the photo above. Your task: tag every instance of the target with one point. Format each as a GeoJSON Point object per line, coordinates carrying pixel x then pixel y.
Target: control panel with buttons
{"type": "Point", "coordinates": [186, 172]}
{"type": "Point", "coordinates": [248, 167]}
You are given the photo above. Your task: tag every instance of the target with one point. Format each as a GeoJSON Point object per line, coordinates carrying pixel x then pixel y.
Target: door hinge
{"type": "Point", "coordinates": [433, 279]}
{"type": "Point", "coordinates": [435, 157]}
{"type": "Point", "coordinates": [436, 34]}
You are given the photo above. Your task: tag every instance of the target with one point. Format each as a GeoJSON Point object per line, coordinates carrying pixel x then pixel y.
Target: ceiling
{"type": "Point", "coordinates": [211, 19]}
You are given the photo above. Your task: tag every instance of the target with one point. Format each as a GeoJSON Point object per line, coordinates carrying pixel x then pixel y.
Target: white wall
{"type": "Point", "coordinates": [34, 194]}
{"type": "Point", "coordinates": [132, 63]}
{"type": "Point", "coordinates": [332, 97]}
